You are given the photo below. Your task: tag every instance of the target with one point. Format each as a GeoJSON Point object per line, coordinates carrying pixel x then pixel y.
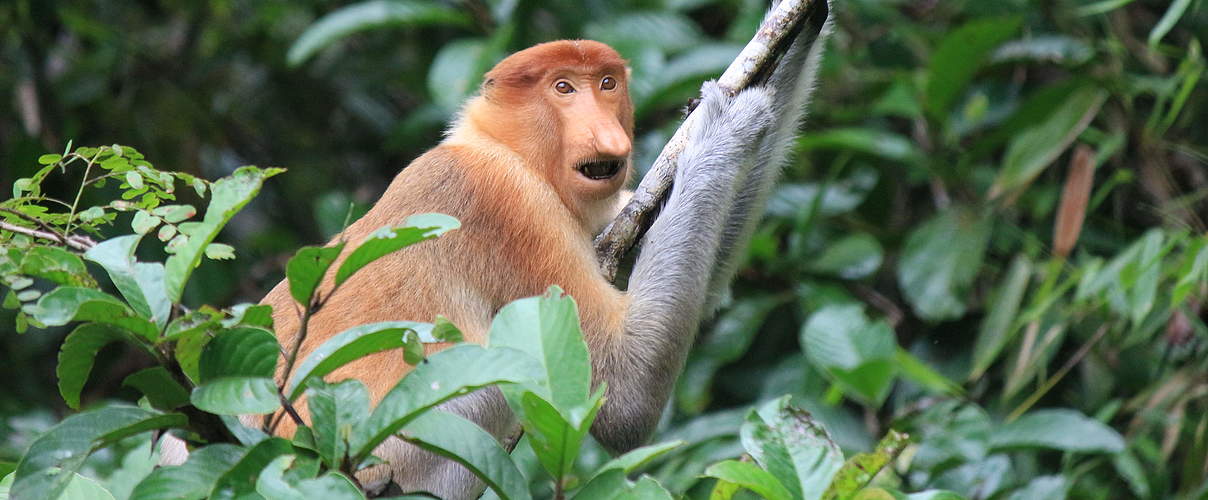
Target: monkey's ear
{"type": "Point", "coordinates": [487, 86]}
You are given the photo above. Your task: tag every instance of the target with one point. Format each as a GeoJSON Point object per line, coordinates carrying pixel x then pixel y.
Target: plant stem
{"type": "Point", "coordinates": [80, 192]}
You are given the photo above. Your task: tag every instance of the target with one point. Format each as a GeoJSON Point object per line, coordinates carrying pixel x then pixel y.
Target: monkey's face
{"type": "Point", "coordinates": [566, 104]}
{"type": "Point", "coordinates": [590, 107]}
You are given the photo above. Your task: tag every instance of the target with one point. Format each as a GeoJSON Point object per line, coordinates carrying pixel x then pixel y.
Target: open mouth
{"type": "Point", "coordinates": [601, 169]}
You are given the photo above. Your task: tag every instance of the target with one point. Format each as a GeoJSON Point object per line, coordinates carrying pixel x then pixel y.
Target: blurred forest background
{"type": "Point", "coordinates": [992, 235]}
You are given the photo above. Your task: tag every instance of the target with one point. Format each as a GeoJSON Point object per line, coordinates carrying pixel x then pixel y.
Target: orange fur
{"type": "Point", "coordinates": [508, 172]}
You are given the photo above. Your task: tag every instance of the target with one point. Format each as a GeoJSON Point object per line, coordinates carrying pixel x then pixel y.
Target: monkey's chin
{"type": "Point", "coordinates": [601, 170]}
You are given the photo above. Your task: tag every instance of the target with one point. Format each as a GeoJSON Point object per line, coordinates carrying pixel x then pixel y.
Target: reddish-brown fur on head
{"type": "Point", "coordinates": [557, 132]}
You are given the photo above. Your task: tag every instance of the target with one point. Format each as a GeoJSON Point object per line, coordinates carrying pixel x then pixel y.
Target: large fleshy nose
{"type": "Point", "coordinates": [610, 139]}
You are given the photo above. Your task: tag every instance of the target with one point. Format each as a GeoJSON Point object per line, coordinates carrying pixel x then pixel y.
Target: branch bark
{"type": "Point", "coordinates": [752, 67]}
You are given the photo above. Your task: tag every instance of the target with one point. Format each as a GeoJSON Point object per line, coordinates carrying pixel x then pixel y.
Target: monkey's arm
{"type": "Point", "coordinates": [669, 285]}
{"type": "Point", "coordinates": [791, 85]}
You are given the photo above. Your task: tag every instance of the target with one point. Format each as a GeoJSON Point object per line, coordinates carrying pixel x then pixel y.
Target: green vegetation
{"type": "Point", "coordinates": [989, 255]}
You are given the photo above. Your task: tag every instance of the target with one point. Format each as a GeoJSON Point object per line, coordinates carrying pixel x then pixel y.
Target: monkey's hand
{"type": "Point", "coordinates": [722, 148]}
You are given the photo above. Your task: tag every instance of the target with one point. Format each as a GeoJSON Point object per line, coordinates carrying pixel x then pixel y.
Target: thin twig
{"type": "Point", "coordinates": [80, 243]}
{"type": "Point", "coordinates": [752, 66]}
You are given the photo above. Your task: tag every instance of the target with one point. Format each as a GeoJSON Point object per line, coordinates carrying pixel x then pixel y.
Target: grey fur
{"type": "Point", "coordinates": [692, 250]}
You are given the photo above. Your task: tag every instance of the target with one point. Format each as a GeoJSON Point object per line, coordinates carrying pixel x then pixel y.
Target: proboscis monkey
{"type": "Point", "coordinates": [533, 167]}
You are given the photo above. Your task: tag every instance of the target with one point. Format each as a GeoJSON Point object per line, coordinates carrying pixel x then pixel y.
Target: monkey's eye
{"type": "Point", "coordinates": [564, 87]}
{"type": "Point", "coordinates": [608, 83]}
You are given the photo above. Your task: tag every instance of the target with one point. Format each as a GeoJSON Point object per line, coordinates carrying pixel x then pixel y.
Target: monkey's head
{"type": "Point", "coordinates": [565, 106]}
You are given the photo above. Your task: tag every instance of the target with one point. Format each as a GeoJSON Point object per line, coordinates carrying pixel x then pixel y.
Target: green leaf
{"type": "Point", "coordinates": [851, 257]}
{"type": "Point", "coordinates": [237, 395]}
{"type": "Point", "coordinates": [57, 265]}
{"type": "Point", "coordinates": [240, 480]}
{"type": "Point", "coordinates": [305, 270]}
{"type": "Point", "coordinates": [859, 470]}
{"type": "Point", "coordinates": [66, 304]}
{"type": "Point", "coordinates": [77, 355]}
{"type": "Point", "coordinates": [276, 484]}
{"type": "Point", "coordinates": [915, 370]}
{"type": "Point", "coordinates": [240, 351]}
{"type": "Point", "coordinates": [939, 262]}
{"type": "Point", "coordinates": [49, 159]}
{"type": "Point", "coordinates": [639, 457]}
{"type": "Point", "coordinates": [134, 180]}
{"type": "Point", "coordinates": [457, 71]}
{"type": "Point", "coordinates": [78, 487]}
{"type": "Point", "coordinates": [162, 391]}
{"type": "Point", "coordinates": [555, 438]}
{"type": "Point", "coordinates": [335, 410]}
{"type": "Point", "coordinates": [464, 442]}
{"type": "Point", "coordinates": [140, 283]}
{"type": "Point", "coordinates": [872, 142]}
{"type": "Point", "coordinates": [448, 373]}
{"type": "Point", "coordinates": [1034, 149]}
{"type": "Point", "coordinates": [350, 345]}
{"type": "Point", "coordinates": [228, 195]}
{"type": "Point", "coordinates": [997, 329]}
{"type": "Point", "coordinates": [751, 477]}
{"type": "Point", "coordinates": [370, 15]}
{"type": "Point", "coordinates": [236, 370]}
{"type": "Point", "coordinates": [144, 222]}
{"type": "Point", "coordinates": [668, 31]}
{"type": "Point", "coordinates": [1043, 487]}
{"type": "Point", "coordinates": [1059, 429]}
{"type": "Point", "coordinates": [444, 330]}
{"type": "Point", "coordinates": [958, 57]}
{"type": "Point", "coordinates": [793, 447]}
{"type": "Point", "coordinates": [174, 213]}
{"type": "Point", "coordinates": [858, 353]}
{"type": "Point", "coordinates": [386, 240]}
{"type": "Point", "coordinates": [547, 328]}
{"type": "Point", "coordinates": [66, 445]}
{"type": "Point", "coordinates": [1166, 23]}
{"type": "Point", "coordinates": [191, 480]}
{"type": "Point", "coordinates": [1193, 271]}
{"type": "Point", "coordinates": [219, 251]}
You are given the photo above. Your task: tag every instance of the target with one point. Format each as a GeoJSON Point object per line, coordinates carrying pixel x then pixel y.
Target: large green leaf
{"type": "Point", "coordinates": [939, 262]}
{"type": "Point", "coordinates": [306, 270]}
{"type": "Point", "coordinates": [668, 31]}
{"type": "Point", "coordinates": [386, 240]}
{"type": "Point", "coordinates": [236, 370]}
{"type": "Point", "coordinates": [859, 470]}
{"type": "Point", "coordinates": [960, 54]}
{"type": "Point", "coordinates": [66, 445]}
{"type": "Point", "coordinates": [751, 477]}
{"type": "Point", "coordinates": [227, 196]}
{"type": "Point", "coordinates": [240, 351]}
{"type": "Point", "coordinates": [141, 283]}
{"type": "Point", "coordinates": [275, 483]}
{"type": "Point", "coordinates": [858, 353]}
{"type": "Point", "coordinates": [369, 15]}
{"type": "Point", "coordinates": [1059, 429]}
{"type": "Point", "coordinates": [77, 355]}
{"type": "Point", "coordinates": [335, 410]}
{"type": "Point", "coordinates": [547, 328]}
{"type": "Point", "coordinates": [555, 438]}
{"type": "Point", "coordinates": [451, 372]}
{"type": "Point", "coordinates": [879, 143]}
{"type": "Point", "coordinates": [237, 395]}
{"type": "Point", "coordinates": [464, 442]}
{"type": "Point", "coordinates": [191, 480]}
{"type": "Point", "coordinates": [1034, 149]}
{"type": "Point", "coordinates": [793, 447]}
{"type": "Point", "coordinates": [57, 265]}
{"type": "Point", "coordinates": [66, 304]}
{"type": "Point", "coordinates": [350, 345]}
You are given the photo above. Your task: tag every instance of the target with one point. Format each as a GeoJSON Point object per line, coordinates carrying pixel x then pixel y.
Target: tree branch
{"type": "Point", "coordinates": [752, 67]}
{"type": "Point", "coordinates": [80, 243]}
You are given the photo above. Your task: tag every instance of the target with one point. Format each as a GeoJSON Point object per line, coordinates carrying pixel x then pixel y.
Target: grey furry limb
{"type": "Point", "coordinates": [788, 21]}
